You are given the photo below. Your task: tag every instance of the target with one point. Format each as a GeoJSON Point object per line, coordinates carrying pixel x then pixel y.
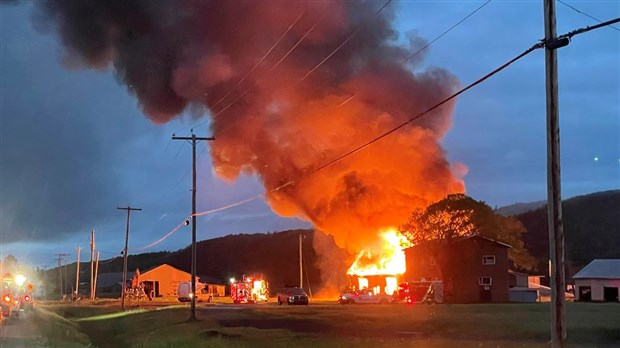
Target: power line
{"type": "Point", "coordinates": [249, 72]}
{"type": "Point", "coordinates": [584, 13]}
{"type": "Point", "coordinates": [447, 31]}
{"type": "Point", "coordinates": [570, 34]}
{"type": "Point", "coordinates": [358, 29]}
{"type": "Point", "coordinates": [538, 45]}
{"type": "Point", "coordinates": [260, 60]}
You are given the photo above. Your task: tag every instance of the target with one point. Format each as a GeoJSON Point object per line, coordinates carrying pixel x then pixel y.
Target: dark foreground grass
{"type": "Point", "coordinates": [509, 325]}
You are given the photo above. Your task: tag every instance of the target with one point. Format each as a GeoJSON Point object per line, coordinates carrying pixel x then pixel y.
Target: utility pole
{"type": "Point", "coordinates": [96, 274]}
{"type": "Point", "coordinates": [92, 252]}
{"type": "Point", "coordinates": [194, 139]}
{"type": "Point", "coordinates": [60, 258]}
{"type": "Point", "coordinates": [77, 272]}
{"type": "Point", "coordinates": [129, 209]}
{"type": "Point", "coordinates": [301, 269]}
{"type": "Point", "coordinates": [554, 197]}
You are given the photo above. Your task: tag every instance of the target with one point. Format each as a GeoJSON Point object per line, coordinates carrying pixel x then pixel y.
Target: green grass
{"type": "Point", "coordinates": [505, 325]}
{"type": "Point", "coordinates": [57, 331]}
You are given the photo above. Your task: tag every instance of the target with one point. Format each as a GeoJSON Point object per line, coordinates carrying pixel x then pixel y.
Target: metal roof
{"type": "Point", "coordinates": [600, 269]}
{"type": "Point", "coordinates": [105, 280]}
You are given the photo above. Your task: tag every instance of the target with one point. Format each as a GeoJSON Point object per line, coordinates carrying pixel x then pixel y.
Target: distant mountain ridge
{"type": "Point", "coordinates": [591, 230]}
{"type": "Point", "coordinates": [519, 208]}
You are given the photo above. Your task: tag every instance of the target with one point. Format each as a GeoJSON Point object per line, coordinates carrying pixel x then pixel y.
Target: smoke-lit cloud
{"type": "Point", "coordinates": [281, 118]}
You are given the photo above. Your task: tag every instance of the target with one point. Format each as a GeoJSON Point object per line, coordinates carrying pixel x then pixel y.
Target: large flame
{"type": "Point", "coordinates": [385, 258]}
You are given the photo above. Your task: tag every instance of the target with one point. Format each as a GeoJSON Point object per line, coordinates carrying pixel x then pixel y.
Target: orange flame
{"type": "Point", "coordinates": [386, 258]}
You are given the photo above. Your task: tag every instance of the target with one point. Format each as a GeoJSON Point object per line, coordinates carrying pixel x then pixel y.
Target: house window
{"type": "Point", "coordinates": [488, 260]}
{"type": "Point", "coordinates": [485, 281]}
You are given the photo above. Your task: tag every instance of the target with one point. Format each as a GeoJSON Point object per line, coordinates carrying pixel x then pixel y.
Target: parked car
{"type": "Point", "coordinates": [364, 297]}
{"type": "Point", "coordinates": [293, 296]}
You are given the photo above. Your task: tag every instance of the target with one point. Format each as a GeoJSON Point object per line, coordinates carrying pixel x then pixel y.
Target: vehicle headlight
{"type": "Point", "coordinates": [291, 298]}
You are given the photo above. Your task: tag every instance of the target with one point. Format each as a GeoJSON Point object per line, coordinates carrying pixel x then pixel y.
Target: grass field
{"type": "Point", "coordinates": [330, 325]}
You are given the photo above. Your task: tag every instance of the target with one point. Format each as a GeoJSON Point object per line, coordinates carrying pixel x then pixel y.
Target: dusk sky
{"type": "Point", "coordinates": [75, 144]}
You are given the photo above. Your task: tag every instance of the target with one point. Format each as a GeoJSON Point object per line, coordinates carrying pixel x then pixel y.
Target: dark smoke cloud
{"type": "Point", "coordinates": [173, 54]}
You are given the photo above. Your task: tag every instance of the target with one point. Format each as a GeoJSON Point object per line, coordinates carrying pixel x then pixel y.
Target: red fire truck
{"type": "Point", "coordinates": [249, 290]}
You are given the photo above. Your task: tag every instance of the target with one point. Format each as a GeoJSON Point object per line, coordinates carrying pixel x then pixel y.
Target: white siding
{"type": "Point", "coordinates": [597, 286]}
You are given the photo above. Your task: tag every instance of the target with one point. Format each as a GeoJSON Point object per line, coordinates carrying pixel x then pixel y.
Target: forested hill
{"type": "Point", "coordinates": [591, 229]}
{"type": "Point", "coordinates": [275, 255]}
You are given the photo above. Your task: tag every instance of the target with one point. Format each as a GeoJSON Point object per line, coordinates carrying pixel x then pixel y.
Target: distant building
{"type": "Point", "coordinates": [523, 287]}
{"type": "Point", "coordinates": [110, 284]}
{"type": "Point", "coordinates": [598, 281]}
{"type": "Point", "coordinates": [479, 267]}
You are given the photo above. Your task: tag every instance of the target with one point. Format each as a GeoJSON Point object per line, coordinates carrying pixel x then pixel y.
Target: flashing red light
{"type": "Point", "coordinates": [27, 298]}
{"type": "Point", "coordinates": [7, 298]}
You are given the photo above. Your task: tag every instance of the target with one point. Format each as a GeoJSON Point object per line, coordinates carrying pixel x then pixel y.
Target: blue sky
{"type": "Point", "coordinates": [78, 135]}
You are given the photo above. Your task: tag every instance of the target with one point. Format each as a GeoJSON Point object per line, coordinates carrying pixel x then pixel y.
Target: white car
{"type": "Point", "coordinates": [364, 297]}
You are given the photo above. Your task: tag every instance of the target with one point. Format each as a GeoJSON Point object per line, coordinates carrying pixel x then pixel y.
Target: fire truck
{"type": "Point", "coordinates": [10, 301]}
{"type": "Point", "coordinates": [249, 290]}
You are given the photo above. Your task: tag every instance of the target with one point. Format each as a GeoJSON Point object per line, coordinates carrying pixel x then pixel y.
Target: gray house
{"type": "Point", "coordinates": [598, 281]}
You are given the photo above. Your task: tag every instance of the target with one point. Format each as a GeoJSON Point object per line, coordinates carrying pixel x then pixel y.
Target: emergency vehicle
{"type": "Point", "coordinates": [249, 290]}
{"type": "Point", "coordinates": [9, 300]}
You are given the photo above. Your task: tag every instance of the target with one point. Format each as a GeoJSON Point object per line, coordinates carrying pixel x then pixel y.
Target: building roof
{"type": "Point", "coordinates": [106, 280]}
{"type": "Point", "coordinates": [600, 269]}
{"type": "Point", "coordinates": [524, 274]}
{"type": "Point", "coordinates": [482, 237]}
{"type": "Point", "coordinates": [461, 239]}
{"type": "Point", "coordinates": [164, 265]}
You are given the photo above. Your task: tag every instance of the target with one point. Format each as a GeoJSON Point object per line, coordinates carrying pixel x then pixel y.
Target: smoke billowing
{"type": "Point", "coordinates": [271, 118]}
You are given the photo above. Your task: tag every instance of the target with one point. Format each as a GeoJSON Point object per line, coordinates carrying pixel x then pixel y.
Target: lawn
{"type": "Point", "coordinates": [330, 325]}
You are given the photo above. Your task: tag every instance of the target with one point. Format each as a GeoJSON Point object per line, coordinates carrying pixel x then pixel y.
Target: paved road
{"type": "Point", "coordinates": [20, 332]}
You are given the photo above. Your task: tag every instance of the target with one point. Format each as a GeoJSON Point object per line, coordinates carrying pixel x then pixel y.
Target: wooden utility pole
{"type": "Point", "coordinates": [96, 274]}
{"type": "Point", "coordinates": [129, 209]}
{"type": "Point", "coordinates": [60, 259]}
{"type": "Point", "coordinates": [92, 252]}
{"type": "Point", "coordinates": [301, 265]}
{"type": "Point", "coordinates": [554, 197]}
{"type": "Point", "coordinates": [77, 272]}
{"type": "Point", "coordinates": [194, 140]}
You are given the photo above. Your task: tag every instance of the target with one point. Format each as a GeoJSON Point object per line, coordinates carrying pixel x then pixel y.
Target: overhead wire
{"type": "Point", "coordinates": [196, 124]}
{"type": "Point", "coordinates": [584, 13]}
{"type": "Point", "coordinates": [447, 31]}
{"type": "Point", "coordinates": [255, 197]}
{"type": "Point", "coordinates": [542, 43]}
{"type": "Point", "coordinates": [260, 60]}
{"type": "Point", "coordinates": [358, 29]}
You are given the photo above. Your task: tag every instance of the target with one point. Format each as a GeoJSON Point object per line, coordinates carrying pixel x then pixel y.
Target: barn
{"type": "Point", "coordinates": [163, 280]}
{"type": "Point", "coordinates": [598, 281]}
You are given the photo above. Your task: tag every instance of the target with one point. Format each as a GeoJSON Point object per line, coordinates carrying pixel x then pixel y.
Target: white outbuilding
{"type": "Point", "coordinates": [598, 281]}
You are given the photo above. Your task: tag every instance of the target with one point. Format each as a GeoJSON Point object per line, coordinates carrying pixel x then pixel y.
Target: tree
{"type": "Point", "coordinates": [9, 264]}
{"type": "Point", "coordinates": [441, 223]}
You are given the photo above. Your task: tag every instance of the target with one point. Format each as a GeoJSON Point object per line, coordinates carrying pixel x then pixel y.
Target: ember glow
{"type": "Point", "coordinates": [385, 258]}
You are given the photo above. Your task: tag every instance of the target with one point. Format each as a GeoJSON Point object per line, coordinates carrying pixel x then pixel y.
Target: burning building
{"type": "Point", "coordinates": [289, 90]}
{"type": "Point", "coordinates": [379, 268]}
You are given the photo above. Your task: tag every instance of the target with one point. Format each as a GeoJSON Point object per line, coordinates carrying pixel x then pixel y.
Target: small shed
{"type": "Point", "coordinates": [598, 281]}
